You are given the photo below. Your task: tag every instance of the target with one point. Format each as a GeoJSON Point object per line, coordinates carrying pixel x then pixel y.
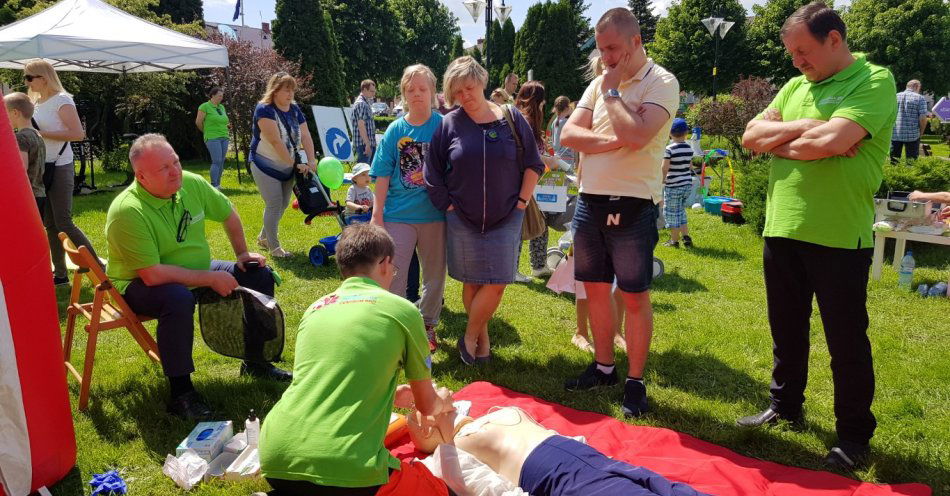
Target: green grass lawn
{"type": "Point", "coordinates": [938, 148]}
{"type": "Point", "coordinates": [710, 362]}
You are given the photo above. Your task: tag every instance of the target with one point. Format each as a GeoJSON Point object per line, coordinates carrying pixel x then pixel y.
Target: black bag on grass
{"type": "Point", "coordinates": [245, 324]}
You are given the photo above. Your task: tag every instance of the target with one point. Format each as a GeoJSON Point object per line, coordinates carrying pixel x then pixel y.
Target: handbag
{"type": "Point", "coordinates": [49, 168]}
{"type": "Point", "coordinates": [533, 225]}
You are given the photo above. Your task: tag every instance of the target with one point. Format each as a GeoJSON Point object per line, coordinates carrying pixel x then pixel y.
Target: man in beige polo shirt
{"type": "Point", "coordinates": [620, 127]}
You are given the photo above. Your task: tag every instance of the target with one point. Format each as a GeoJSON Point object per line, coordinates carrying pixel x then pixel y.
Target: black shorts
{"type": "Point", "coordinates": [615, 236]}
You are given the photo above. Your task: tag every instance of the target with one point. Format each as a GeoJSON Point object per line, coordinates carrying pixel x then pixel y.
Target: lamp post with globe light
{"type": "Point", "coordinates": [717, 27]}
{"type": "Point", "coordinates": [475, 8]}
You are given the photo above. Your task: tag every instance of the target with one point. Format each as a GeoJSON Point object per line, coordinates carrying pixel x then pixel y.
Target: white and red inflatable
{"type": "Point", "coordinates": [37, 441]}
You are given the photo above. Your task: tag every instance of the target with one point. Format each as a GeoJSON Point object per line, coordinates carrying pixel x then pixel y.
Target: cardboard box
{"type": "Point", "coordinates": [207, 439]}
{"type": "Point", "coordinates": [551, 192]}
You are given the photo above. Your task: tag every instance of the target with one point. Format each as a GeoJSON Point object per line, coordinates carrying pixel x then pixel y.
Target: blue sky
{"type": "Point", "coordinates": [257, 10]}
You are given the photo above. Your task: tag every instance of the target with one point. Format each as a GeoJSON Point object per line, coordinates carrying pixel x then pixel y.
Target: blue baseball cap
{"type": "Point", "coordinates": [679, 126]}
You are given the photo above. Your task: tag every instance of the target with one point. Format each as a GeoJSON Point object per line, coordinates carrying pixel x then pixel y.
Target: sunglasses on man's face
{"type": "Point", "coordinates": [30, 78]}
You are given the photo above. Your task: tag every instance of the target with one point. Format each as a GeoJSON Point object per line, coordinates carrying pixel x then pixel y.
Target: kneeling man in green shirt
{"type": "Point", "coordinates": [158, 253]}
{"type": "Point", "coordinates": [828, 131]}
{"type": "Point", "coordinates": [325, 435]}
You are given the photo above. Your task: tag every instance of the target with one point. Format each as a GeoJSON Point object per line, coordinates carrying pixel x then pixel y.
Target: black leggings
{"type": "Point", "coordinates": [283, 487]}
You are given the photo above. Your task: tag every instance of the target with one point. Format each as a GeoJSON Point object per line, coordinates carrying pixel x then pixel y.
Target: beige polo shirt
{"type": "Point", "coordinates": [624, 171]}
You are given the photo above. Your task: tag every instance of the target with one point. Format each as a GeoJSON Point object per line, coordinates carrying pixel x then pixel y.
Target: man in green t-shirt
{"type": "Point", "coordinates": [829, 132]}
{"type": "Point", "coordinates": [158, 252]}
{"type": "Point", "coordinates": [326, 432]}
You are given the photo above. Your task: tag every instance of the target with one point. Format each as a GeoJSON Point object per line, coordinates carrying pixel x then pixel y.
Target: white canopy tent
{"type": "Point", "coordinates": [90, 35]}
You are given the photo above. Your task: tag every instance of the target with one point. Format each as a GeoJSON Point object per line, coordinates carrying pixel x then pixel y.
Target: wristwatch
{"type": "Point", "coordinates": [611, 93]}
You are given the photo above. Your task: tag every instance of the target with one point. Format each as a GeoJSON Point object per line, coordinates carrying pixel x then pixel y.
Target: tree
{"type": "Point", "coordinates": [181, 11]}
{"type": "Point", "coordinates": [582, 22]}
{"type": "Point", "coordinates": [547, 44]}
{"type": "Point", "coordinates": [643, 9]}
{"type": "Point", "coordinates": [458, 48]}
{"type": "Point", "coordinates": [245, 79]}
{"type": "Point", "coordinates": [493, 51]}
{"type": "Point", "coordinates": [728, 116]}
{"type": "Point", "coordinates": [369, 31]}
{"type": "Point", "coordinates": [303, 34]}
{"type": "Point", "coordinates": [772, 61]}
{"type": "Point", "coordinates": [684, 46]}
{"type": "Point", "coordinates": [910, 37]}
{"type": "Point", "coordinates": [429, 29]}
{"type": "Point", "coordinates": [506, 45]}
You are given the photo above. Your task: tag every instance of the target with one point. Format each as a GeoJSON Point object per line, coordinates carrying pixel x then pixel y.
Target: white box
{"type": "Point", "coordinates": [207, 439]}
{"type": "Point", "coordinates": [551, 192]}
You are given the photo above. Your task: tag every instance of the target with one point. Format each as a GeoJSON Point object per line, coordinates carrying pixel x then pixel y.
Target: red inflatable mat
{"type": "Point", "coordinates": [705, 466]}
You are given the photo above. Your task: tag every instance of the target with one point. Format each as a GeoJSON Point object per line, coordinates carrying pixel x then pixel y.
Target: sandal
{"type": "Point", "coordinates": [582, 342]}
{"type": "Point", "coordinates": [262, 243]}
{"type": "Point", "coordinates": [280, 253]}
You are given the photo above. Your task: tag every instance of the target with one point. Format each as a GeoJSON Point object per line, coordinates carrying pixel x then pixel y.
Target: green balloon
{"type": "Point", "coordinates": [330, 172]}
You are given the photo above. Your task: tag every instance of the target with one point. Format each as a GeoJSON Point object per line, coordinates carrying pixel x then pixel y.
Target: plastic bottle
{"type": "Point", "coordinates": [252, 426]}
{"type": "Point", "coordinates": [906, 274]}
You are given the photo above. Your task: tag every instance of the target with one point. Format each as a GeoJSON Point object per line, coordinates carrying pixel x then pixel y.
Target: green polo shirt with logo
{"type": "Point", "coordinates": [830, 201]}
{"type": "Point", "coordinates": [328, 427]}
{"type": "Point", "coordinates": [143, 230]}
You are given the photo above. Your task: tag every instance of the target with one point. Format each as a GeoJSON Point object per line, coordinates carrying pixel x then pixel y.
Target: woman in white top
{"type": "Point", "coordinates": [57, 120]}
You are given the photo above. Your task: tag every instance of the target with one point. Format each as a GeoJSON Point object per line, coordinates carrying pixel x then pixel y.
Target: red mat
{"type": "Point", "coordinates": [705, 466]}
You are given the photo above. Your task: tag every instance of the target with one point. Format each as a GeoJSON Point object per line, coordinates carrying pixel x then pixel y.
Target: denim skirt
{"type": "Point", "coordinates": [491, 257]}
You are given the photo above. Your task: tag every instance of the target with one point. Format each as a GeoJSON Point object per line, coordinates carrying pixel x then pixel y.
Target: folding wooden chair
{"type": "Point", "coordinates": [107, 310]}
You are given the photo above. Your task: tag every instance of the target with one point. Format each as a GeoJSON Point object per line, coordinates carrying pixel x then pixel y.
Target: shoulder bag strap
{"type": "Point", "coordinates": [519, 146]}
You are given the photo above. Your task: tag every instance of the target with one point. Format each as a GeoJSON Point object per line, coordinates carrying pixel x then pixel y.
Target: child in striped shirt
{"type": "Point", "coordinates": [678, 185]}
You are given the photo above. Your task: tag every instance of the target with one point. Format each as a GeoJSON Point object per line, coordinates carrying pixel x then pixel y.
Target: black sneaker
{"type": "Point", "coordinates": [190, 406]}
{"type": "Point", "coordinates": [591, 378]}
{"type": "Point", "coordinates": [265, 371]}
{"type": "Point", "coordinates": [634, 399]}
{"type": "Point", "coordinates": [687, 241]}
{"type": "Point", "coordinates": [673, 244]}
{"type": "Point", "coordinates": [848, 455]}
{"type": "Point", "coordinates": [769, 416]}
{"type": "Point", "coordinates": [60, 281]}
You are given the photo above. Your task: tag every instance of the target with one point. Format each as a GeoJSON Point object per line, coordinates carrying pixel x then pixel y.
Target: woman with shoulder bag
{"type": "Point", "coordinates": [280, 142]}
{"type": "Point", "coordinates": [477, 172]}
{"type": "Point", "coordinates": [56, 119]}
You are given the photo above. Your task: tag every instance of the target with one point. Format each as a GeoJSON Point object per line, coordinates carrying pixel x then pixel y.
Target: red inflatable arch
{"type": "Point", "coordinates": [37, 441]}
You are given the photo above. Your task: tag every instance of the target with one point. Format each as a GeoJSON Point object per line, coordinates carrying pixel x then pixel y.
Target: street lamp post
{"type": "Point", "coordinates": [475, 8]}
{"type": "Point", "coordinates": [717, 27]}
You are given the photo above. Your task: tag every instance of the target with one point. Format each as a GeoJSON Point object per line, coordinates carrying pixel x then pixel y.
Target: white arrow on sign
{"type": "Point", "coordinates": [942, 109]}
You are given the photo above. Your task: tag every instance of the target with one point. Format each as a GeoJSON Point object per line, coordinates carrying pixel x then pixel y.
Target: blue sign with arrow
{"type": "Point", "coordinates": [338, 143]}
{"type": "Point", "coordinates": [942, 109]}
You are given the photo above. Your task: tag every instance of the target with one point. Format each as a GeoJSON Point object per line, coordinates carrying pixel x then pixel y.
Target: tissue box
{"type": "Point", "coordinates": [207, 439]}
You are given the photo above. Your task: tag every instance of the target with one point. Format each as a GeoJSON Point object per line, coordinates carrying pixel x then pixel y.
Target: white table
{"type": "Point", "coordinates": [899, 248]}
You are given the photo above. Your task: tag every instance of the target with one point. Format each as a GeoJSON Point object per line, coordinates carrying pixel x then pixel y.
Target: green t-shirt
{"type": "Point", "coordinates": [142, 230]}
{"type": "Point", "coordinates": [216, 121]}
{"type": "Point", "coordinates": [328, 427]}
{"type": "Point", "coordinates": [830, 201]}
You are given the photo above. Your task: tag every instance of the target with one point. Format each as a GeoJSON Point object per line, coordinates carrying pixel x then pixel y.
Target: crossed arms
{"type": "Point", "coordinates": [633, 127]}
{"type": "Point", "coordinates": [803, 139]}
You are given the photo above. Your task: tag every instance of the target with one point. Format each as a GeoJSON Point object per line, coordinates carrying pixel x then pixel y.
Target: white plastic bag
{"type": "Point", "coordinates": [186, 470]}
{"type": "Point", "coordinates": [466, 475]}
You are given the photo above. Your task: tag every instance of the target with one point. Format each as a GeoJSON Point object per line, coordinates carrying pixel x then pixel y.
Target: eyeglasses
{"type": "Point", "coordinates": [219, 111]}
{"type": "Point", "coordinates": [29, 78]}
{"type": "Point", "coordinates": [390, 260]}
{"type": "Point", "coordinates": [183, 226]}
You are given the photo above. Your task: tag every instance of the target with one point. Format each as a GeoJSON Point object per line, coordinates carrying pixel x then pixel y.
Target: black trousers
{"type": "Point", "coordinates": [795, 272]}
{"type": "Point", "coordinates": [174, 304]}
{"type": "Point", "coordinates": [911, 149]}
{"type": "Point", "coordinates": [283, 487]}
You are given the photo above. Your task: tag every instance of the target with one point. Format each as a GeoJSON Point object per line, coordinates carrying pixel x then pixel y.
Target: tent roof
{"type": "Point", "coordinates": [90, 35]}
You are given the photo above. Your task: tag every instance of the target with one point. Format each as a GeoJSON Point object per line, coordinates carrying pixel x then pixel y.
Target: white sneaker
{"type": "Point", "coordinates": [542, 272]}
{"type": "Point", "coordinates": [519, 277]}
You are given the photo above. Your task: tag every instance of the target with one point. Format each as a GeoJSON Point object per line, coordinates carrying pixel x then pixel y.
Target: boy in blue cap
{"type": "Point", "coordinates": [678, 186]}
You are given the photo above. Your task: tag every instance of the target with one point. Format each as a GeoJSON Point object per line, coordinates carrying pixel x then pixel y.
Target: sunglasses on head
{"type": "Point", "coordinates": [30, 78]}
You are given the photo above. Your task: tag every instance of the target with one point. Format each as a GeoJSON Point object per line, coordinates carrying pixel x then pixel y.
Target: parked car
{"type": "Point", "coordinates": [380, 108]}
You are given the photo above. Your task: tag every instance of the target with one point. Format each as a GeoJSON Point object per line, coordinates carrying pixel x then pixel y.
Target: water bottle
{"type": "Point", "coordinates": [906, 274]}
{"type": "Point", "coordinates": [252, 426]}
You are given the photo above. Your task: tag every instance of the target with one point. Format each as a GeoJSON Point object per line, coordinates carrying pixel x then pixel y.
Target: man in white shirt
{"type": "Point", "coordinates": [620, 127]}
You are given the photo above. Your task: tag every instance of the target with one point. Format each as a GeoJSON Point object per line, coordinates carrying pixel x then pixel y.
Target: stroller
{"type": "Point", "coordinates": [313, 199]}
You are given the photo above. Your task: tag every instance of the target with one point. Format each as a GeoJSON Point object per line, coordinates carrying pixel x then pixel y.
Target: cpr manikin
{"type": "Point", "coordinates": [539, 460]}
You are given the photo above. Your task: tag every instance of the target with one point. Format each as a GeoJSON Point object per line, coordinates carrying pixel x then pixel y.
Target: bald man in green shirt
{"type": "Point", "coordinates": [829, 133]}
{"type": "Point", "coordinates": [158, 253]}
